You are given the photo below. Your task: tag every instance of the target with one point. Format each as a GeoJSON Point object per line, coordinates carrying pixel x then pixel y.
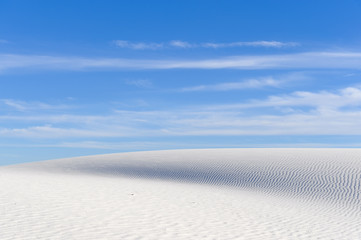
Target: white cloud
{"type": "Point", "coordinates": [181, 44]}
{"type": "Point", "coordinates": [274, 44]}
{"type": "Point", "coordinates": [48, 132]}
{"type": "Point", "coordinates": [346, 97]}
{"type": "Point", "coordinates": [184, 44]}
{"type": "Point", "coordinates": [27, 106]}
{"type": "Point", "coordinates": [142, 83]}
{"type": "Point", "coordinates": [160, 145]}
{"type": "Point", "coordinates": [326, 113]}
{"type": "Point", "coordinates": [3, 41]}
{"type": "Point", "coordinates": [308, 60]}
{"type": "Point", "coordinates": [138, 45]}
{"type": "Point", "coordinates": [227, 86]}
{"type": "Point", "coordinates": [122, 146]}
{"type": "Point", "coordinates": [180, 123]}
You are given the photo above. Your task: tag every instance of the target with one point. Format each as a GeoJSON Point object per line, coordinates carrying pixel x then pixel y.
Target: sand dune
{"type": "Point", "coordinates": [186, 194]}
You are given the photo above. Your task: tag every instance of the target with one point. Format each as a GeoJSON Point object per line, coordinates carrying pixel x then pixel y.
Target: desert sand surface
{"type": "Point", "coordinates": [186, 194]}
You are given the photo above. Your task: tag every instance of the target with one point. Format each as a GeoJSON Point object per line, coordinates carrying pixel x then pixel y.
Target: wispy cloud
{"type": "Point", "coordinates": [3, 41]}
{"type": "Point", "coordinates": [27, 106]}
{"type": "Point", "coordinates": [47, 131]}
{"type": "Point", "coordinates": [299, 113]}
{"type": "Point", "coordinates": [201, 123]}
{"type": "Point", "coordinates": [138, 45]}
{"type": "Point", "coordinates": [142, 83]}
{"type": "Point", "coordinates": [181, 44]}
{"type": "Point", "coordinates": [253, 83]}
{"type": "Point", "coordinates": [273, 44]}
{"type": "Point", "coordinates": [308, 60]}
{"type": "Point", "coordinates": [160, 145]}
{"type": "Point", "coordinates": [184, 44]}
{"type": "Point", "coordinates": [122, 146]}
{"type": "Point", "coordinates": [346, 97]}
{"type": "Point", "coordinates": [227, 86]}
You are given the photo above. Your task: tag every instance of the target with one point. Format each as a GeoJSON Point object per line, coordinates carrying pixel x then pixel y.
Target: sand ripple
{"type": "Point", "coordinates": [186, 194]}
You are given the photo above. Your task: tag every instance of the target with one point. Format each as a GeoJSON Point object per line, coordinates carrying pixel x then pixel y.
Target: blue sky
{"type": "Point", "coordinates": [93, 77]}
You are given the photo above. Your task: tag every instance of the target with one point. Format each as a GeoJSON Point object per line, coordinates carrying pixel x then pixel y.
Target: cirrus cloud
{"type": "Point", "coordinates": [214, 45]}
{"type": "Point", "coordinates": [297, 113]}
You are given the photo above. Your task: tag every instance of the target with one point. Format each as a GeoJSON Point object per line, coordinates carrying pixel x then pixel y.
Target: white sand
{"type": "Point", "coordinates": [186, 194]}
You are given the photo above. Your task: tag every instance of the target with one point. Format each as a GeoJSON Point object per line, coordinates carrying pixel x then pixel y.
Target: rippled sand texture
{"type": "Point", "coordinates": [186, 194]}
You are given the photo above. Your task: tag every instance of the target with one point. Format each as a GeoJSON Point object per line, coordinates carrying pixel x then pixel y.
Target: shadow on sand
{"type": "Point", "coordinates": [337, 186]}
